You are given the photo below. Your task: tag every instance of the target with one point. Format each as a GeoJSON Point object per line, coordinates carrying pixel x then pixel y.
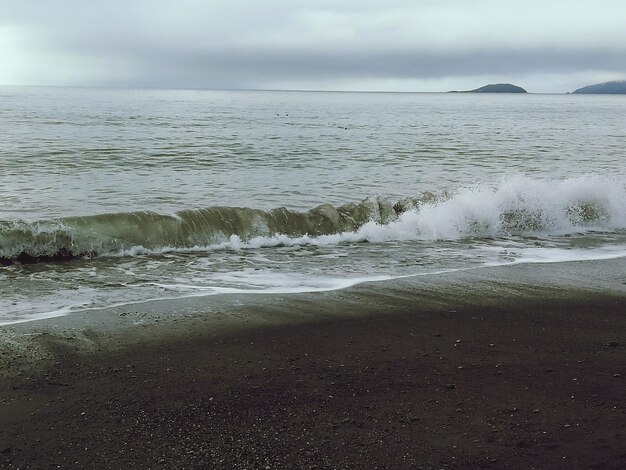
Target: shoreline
{"type": "Point", "coordinates": [597, 274]}
{"type": "Point", "coordinates": [509, 367]}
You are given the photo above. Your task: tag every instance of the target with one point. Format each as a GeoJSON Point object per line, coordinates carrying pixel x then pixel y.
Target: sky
{"type": "Point", "coordinates": [388, 45]}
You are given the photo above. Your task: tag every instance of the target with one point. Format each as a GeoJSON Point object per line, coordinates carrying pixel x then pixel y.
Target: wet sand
{"type": "Point", "coordinates": [500, 368]}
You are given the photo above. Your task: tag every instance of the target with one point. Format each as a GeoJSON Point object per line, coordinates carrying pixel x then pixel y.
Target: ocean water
{"type": "Point", "coordinates": [112, 197]}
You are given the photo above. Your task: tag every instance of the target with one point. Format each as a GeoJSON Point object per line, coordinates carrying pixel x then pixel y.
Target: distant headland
{"type": "Point", "coordinates": [608, 88]}
{"type": "Point", "coordinates": [496, 88]}
{"type": "Point", "coordinates": [617, 87]}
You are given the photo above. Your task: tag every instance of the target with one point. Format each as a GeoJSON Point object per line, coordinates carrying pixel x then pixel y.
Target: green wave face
{"type": "Point", "coordinates": [520, 207]}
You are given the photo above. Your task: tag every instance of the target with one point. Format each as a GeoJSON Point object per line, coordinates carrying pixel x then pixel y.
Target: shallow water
{"type": "Point", "coordinates": [119, 196]}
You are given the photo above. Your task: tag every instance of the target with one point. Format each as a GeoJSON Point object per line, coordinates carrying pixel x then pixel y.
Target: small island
{"type": "Point", "coordinates": [496, 88]}
{"type": "Point", "coordinates": [608, 88]}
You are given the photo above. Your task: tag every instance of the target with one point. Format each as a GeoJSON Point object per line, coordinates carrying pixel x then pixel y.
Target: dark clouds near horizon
{"type": "Point", "coordinates": [397, 45]}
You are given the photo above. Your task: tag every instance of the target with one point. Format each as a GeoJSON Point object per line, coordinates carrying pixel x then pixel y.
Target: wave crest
{"type": "Point", "coordinates": [516, 206]}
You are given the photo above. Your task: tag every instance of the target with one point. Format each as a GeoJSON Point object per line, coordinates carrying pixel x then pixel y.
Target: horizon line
{"type": "Point", "coordinates": [281, 90]}
{"type": "Point", "coordinates": [295, 90]}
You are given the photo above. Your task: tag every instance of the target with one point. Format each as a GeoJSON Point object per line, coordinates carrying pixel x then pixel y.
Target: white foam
{"type": "Point", "coordinates": [266, 283]}
{"type": "Point", "coordinates": [561, 255]}
{"type": "Point", "coordinates": [274, 283]}
{"type": "Point", "coordinates": [541, 206]}
{"type": "Point", "coordinates": [61, 312]}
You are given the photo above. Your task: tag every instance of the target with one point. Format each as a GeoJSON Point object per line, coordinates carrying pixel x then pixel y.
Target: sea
{"type": "Point", "coordinates": [113, 197]}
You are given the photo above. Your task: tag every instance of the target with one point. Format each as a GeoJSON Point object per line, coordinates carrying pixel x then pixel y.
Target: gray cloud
{"type": "Point", "coordinates": [249, 44]}
{"type": "Point", "coordinates": [272, 65]}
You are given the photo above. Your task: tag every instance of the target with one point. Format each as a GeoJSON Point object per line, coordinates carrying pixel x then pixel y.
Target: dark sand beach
{"type": "Point", "coordinates": [514, 367]}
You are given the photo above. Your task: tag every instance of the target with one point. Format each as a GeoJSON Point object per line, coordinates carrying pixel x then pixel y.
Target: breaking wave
{"type": "Point", "coordinates": [516, 206]}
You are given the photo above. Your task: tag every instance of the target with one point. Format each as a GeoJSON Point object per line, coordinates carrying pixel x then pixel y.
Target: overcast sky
{"type": "Point", "coordinates": [387, 45]}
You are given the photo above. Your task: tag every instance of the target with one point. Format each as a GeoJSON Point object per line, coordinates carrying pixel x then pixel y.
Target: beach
{"type": "Point", "coordinates": [312, 235]}
{"type": "Point", "coordinates": [508, 367]}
